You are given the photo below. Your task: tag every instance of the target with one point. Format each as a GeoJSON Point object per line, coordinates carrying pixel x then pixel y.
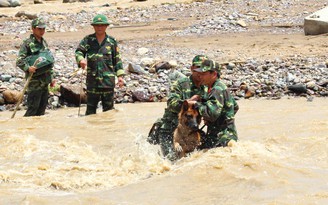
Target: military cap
{"type": "Point", "coordinates": [100, 19]}
{"type": "Point", "coordinates": [207, 65]}
{"type": "Point", "coordinates": [197, 60]}
{"type": "Point", "coordinates": [217, 68]}
{"type": "Point", "coordinates": [38, 23]}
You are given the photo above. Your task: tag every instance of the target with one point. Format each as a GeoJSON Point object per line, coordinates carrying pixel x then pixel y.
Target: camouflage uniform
{"type": "Point", "coordinates": [104, 64]}
{"type": "Point", "coordinates": [37, 90]}
{"type": "Point", "coordinates": [181, 90]}
{"type": "Point", "coordinates": [218, 109]}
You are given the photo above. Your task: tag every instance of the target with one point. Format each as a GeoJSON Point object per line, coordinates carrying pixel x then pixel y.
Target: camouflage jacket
{"type": "Point", "coordinates": [181, 90]}
{"type": "Point", "coordinates": [218, 109]}
{"type": "Point", "coordinates": [103, 61]}
{"type": "Point", "coordinates": [32, 47]}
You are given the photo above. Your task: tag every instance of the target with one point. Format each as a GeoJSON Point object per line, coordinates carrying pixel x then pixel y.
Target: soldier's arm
{"type": "Point", "coordinates": [175, 100]}
{"type": "Point", "coordinates": [22, 54]}
{"type": "Point", "coordinates": [210, 109]}
{"type": "Point", "coordinates": [117, 62]}
{"type": "Point", "coordinates": [235, 105]}
{"type": "Point", "coordinates": [81, 51]}
{"type": "Point", "coordinates": [52, 73]}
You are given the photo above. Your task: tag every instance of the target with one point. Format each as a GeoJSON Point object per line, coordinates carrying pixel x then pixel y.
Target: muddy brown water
{"type": "Point", "coordinates": [60, 158]}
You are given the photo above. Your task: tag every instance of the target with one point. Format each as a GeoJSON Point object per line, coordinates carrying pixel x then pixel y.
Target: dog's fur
{"type": "Point", "coordinates": [186, 137]}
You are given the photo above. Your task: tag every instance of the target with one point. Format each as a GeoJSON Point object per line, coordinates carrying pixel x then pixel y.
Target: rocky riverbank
{"type": "Point", "coordinates": [152, 58]}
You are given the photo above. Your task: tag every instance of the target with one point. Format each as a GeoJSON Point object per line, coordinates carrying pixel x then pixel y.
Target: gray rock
{"type": "Point", "coordinates": [5, 77]}
{"type": "Point", "coordinates": [4, 3]}
{"type": "Point", "coordinates": [14, 3]}
{"type": "Point", "coordinates": [298, 88]}
{"type": "Point", "coordinates": [316, 23]}
{"type": "Point", "coordinates": [27, 15]}
{"type": "Point", "coordinates": [133, 68]}
{"type": "Point", "coordinates": [73, 94]}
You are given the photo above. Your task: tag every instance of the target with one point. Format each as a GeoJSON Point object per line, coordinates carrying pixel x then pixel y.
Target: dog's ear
{"type": "Point", "coordinates": [195, 106]}
{"type": "Point", "coordinates": [185, 105]}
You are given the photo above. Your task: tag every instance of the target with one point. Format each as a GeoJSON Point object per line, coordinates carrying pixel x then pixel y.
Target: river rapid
{"type": "Point", "coordinates": [62, 158]}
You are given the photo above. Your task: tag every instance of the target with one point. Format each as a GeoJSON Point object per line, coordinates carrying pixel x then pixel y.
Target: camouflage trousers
{"type": "Point", "coordinates": [37, 101]}
{"type": "Point", "coordinates": [161, 133]}
{"type": "Point", "coordinates": [93, 98]}
{"type": "Point", "coordinates": [218, 137]}
{"type": "Point", "coordinates": [166, 144]}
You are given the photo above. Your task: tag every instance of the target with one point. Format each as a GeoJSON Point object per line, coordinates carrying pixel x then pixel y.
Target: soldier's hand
{"type": "Point", "coordinates": [120, 81]}
{"type": "Point", "coordinates": [195, 98]}
{"type": "Point", "coordinates": [83, 63]}
{"type": "Point", "coordinates": [32, 69]}
{"type": "Point", "coordinates": [231, 143]}
{"type": "Point", "coordinates": [53, 83]}
{"type": "Point", "coordinates": [192, 102]}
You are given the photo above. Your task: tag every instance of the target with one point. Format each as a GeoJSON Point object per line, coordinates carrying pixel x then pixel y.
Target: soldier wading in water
{"type": "Point", "coordinates": [33, 48]}
{"type": "Point", "coordinates": [188, 88]}
{"type": "Point", "coordinates": [99, 54]}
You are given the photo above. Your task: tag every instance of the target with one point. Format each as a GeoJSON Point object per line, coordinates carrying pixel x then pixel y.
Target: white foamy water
{"type": "Point", "coordinates": [60, 158]}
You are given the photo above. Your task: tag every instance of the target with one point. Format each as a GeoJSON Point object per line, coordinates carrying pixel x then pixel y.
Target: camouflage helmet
{"type": "Point", "coordinates": [100, 19]}
{"type": "Point", "coordinates": [197, 60]}
{"type": "Point", "coordinates": [38, 23]}
{"type": "Point", "coordinates": [206, 65]}
{"type": "Point", "coordinates": [217, 68]}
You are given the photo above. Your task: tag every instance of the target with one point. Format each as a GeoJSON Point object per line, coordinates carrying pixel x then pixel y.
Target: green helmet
{"type": "Point", "coordinates": [217, 67]}
{"type": "Point", "coordinates": [100, 19]}
{"type": "Point", "coordinates": [38, 23]}
{"type": "Point", "coordinates": [206, 65]}
{"type": "Point", "coordinates": [198, 60]}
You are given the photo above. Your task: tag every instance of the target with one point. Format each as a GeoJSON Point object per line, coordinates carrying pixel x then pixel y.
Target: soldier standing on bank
{"type": "Point", "coordinates": [33, 48]}
{"type": "Point", "coordinates": [99, 54]}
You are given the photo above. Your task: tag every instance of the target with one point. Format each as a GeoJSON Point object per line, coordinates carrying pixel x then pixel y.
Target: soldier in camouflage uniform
{"type": "Point", "coordinates": [99, 53]}
{"type": "Point", "coordinates": [218, 109]}
{"type": "Point", "coordinates": [187, 88]}
{"type": "Point", "coordinates": [33, 48]}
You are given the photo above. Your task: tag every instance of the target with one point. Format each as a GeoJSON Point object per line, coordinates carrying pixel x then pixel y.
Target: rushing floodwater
{"type": "Point", "coordinates": [60, 158]}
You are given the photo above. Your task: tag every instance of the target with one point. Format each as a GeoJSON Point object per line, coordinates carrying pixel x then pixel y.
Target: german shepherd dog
{"type": "Point", "coordinates": [186, 137]}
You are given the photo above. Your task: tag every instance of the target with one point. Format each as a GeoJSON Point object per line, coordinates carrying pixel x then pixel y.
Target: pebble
{"type": "Point", "coordinates": [255, 78]}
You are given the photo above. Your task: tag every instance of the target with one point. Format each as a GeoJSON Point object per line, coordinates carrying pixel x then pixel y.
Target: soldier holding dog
{"type": "Point", "coordinates": [33, 48]}
{"type": "Point", "coordinates": [218, 109]}
{"type": "Point", "coordinates": [188, 88]}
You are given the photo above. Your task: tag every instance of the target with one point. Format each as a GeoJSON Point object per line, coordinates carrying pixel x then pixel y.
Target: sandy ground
{"type": "Point", "coordinates": [236, 46]}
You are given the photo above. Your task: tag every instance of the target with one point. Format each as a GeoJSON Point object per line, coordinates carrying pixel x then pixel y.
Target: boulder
{"type": "Point", "coordinates": [141, 95]}
{"type": "Point", "coordinates": [162, 66]}
{"type": "Point", "coordinates": [72, 93]}
{"type": "Point", "coordinates": [27, 15]}
{"type": "Point", "coordinates": [134, 68]}
{"type": "Point", "coordinates": [297, 88]}
{"type": "Point", "coordinates": [11, 96]}
{"type": "Point", "coordinates": [316, 23]}
{"type": "Point", "coordinates": [9, 3]}
{"type": "Point", "coordinates": [4, 3]}
{"type": "Point", "coordinates": [14, 3]}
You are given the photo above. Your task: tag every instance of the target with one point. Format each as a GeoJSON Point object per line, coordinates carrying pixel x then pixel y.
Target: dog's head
{"type": "Point", "coordinates": [189, 116]}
